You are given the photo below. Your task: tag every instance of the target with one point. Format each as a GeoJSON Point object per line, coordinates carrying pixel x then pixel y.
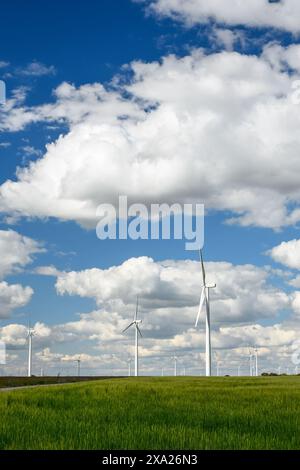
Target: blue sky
{"type": "Point", "coordinates": [43, 47]}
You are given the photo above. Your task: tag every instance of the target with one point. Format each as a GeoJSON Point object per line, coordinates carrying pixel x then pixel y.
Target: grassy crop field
{"type": "Point", "coordinates": [9, 382]}
{"type": "Point", "coordinates": [155, 413]}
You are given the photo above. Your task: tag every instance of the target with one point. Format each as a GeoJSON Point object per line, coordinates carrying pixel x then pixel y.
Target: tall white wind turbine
{"type": "Point", "coordinates": [204, 299]}
{"type": "Point", "coordinates": [138, 333]}
{"type": "Point", "coordinates": [30, 335]}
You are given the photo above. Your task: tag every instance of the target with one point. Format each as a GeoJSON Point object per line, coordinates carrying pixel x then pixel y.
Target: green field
{"type": "Point", "coordinates": [155, 413]}
{"type": "Point", "coordinates": [12, 382]}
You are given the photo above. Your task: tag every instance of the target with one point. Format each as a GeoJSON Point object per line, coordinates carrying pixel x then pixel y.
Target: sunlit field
{"type": "Point", "coordinates": [155, 413]}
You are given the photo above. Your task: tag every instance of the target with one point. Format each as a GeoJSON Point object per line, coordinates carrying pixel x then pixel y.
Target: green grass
{"type": "Point", "coordinates": [155, 413]}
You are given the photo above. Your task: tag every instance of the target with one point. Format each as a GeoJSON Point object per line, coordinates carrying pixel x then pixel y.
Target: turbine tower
{"type": "Point", "coordinates": [175, 366]}
{"type": "Point", "coordinates": [218, 363]}
{"type": "Point", "coordinates": [78, 366]}
{"type": "Point", "coordinates": [204, 298]}
{"type": "Point", "coordinates": [30, 335]}
{"type": "Point", "coordinates": [256, 362]}
{"type": "Point", "coordinates": [136, 323]}
{"type": "Point", "coordinates": [129, 366]}
{"type": "Point", "coordinates": [250, 362]}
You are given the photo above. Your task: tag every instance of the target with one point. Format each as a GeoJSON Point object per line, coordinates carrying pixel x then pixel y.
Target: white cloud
{"type": "Point", "coordinates": [217, 125]}
{"type": "Point", "coordinates": [47, 356]}
{"type": "Point", "coordinates": [227, 38]}
{"type": "Point", "coordinates": [88, 104]}
{"type": "Point", "coordinates": [170, 289]}
{"type": "Point", "coordinates": [28, 150]}
{"type": "Point", "coordinates": [287, 253]}
{"type": "Point", "coordinates": [255, 13]}
{"type": "Point", "coordinates": [13, 335]}
{"type": "Point", "coordinates": [16, 251]}
{"type": "Point", "coordinates": [3, 64]}
{"type": "Point", "coordinates": [37, 69]}
{"type": "Point", "coordinates": [296, 303]}
{"type": "Point", "coordinates": [17, 98]}
{"type": "Point", "coordinates": [46, 271]}
{"type": "Point", "coordinates": [295, 282]}
{"type": "Point", "coordinates": [13, 296]}
{"type": "Point", "coordinates": [261, 336]}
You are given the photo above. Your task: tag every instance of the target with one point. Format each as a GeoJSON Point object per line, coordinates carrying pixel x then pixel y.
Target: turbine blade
{"type": "Point", "coordinates": [202, 298]}
{"type": "Point", "coordinates": [202, 267]}
{"type": "Point", "coordinates": [137, 327]}
{"type": "Point", "coordinates": [127, 327]}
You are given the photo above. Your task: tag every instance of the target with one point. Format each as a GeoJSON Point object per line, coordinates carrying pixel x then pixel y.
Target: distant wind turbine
{"type": "Point", "coordinates": [256, 362]}
{"type": "Point", "coordinates": [31, 333]}
{"type": "Point", "coordinates": [204, 298]}
{"type": "Point", "coordinates": [218, 363]}
{"type": "Point", "coordinates": [250, 362]}
{"type": "Point", "coordinates": [78, 366]}
{"type": "Point", "coordinates": [129, 366]}
{"type": "Point", "coordinates": [136, 323]}
{"type": "Point", "coordinates": [175, 366]}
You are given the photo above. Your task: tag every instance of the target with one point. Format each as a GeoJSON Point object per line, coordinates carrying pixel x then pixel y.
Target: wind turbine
{"type": "Point", "coordinates": [256, 362]}
{"type": "Point", "coordinates": [129, 366]}
{"type": "Point", "coordinates": [218, 364]}
{"type": "Point", "coordinates": [204, 298]}
{"type": "Point", "coordinates": [78, 366]}
{"type": "Point", "coordinates": [250, 362]}
{"type": "Point", "coordinates": [136, 323]}
{"type": "Point", "coordinates": [175, 365]}
{"type": "Point", "coordinates": [30, 335]}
